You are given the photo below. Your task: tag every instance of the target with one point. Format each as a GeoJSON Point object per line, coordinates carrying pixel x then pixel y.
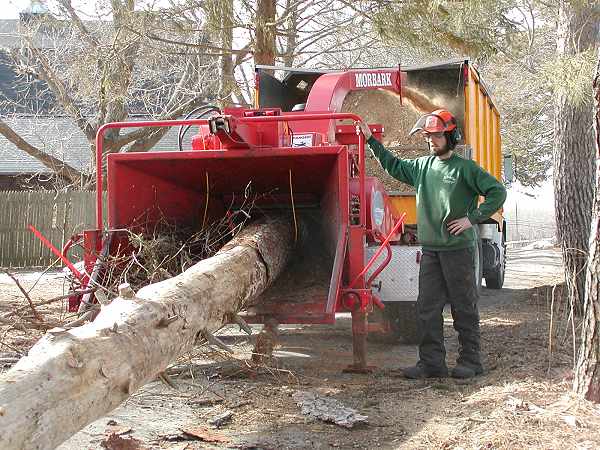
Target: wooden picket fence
{"type": "Point", "coordinates": [56, 215]}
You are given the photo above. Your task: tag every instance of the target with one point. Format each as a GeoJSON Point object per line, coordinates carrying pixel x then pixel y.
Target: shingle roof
{"type": "Point", "coordinates": [61, 138]}
{"type": "Point", "coordinates": [10, 36]}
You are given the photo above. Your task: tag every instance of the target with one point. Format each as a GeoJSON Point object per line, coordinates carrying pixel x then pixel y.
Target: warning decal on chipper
{"type": "Point", "coordinates": [378, 79]}
{"type": "Point", "coordinates": [303, 140]}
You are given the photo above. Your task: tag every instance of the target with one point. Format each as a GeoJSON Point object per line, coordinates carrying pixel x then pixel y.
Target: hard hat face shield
{"type": "Point", "coordinates": [428, 123]}
{"type": "Point", "coordinates": [439, 121]}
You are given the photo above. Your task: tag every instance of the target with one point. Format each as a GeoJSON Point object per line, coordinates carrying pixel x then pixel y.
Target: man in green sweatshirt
{"type": "Point", "coordinates": [447, 192]}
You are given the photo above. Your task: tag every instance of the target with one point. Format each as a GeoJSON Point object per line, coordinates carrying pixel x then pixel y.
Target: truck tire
{"type": "Point", "coordinates": [387, 317]}
{"type": "Point", "coordinates": [495, 279]}
{"type": "Point", "coordinates": [407, 322]}
{"type": "Point", "coordinates": [402, 321]}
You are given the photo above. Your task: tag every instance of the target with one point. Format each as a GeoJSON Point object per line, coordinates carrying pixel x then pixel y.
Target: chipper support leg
{"type": "Point", "coordinates": [359, 344]}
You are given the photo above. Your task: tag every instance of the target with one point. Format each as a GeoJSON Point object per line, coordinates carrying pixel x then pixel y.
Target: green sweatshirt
{"type": "Point", "coordinates": [446, 190]}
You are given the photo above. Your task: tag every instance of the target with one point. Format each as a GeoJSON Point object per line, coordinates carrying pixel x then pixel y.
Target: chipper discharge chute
{"type": "Point", "coordinates": [308, 165]}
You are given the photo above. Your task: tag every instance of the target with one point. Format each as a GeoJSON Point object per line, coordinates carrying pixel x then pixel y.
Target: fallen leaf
{"type": "Point", "coordinates": [116, 442]}
{"type": "Point", "coordinates": [205, 434]}
{"type": "Point", "coordinates": [221, 419]}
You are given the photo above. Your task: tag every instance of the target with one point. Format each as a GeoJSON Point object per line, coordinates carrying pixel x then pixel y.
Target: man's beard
{"type": "Point", "coordinates": [440, 151]}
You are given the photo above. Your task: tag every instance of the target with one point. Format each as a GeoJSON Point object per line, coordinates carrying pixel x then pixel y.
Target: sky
{"type": "Point", "coordinates": [9, 9]}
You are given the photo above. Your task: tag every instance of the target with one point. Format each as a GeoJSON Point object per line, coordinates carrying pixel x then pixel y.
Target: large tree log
{"type": "Point", "coordinates": [72, 377]}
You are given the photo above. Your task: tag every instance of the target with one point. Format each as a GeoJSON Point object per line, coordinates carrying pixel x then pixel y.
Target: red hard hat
{"type": "Point", "coordinates": [438, 121]}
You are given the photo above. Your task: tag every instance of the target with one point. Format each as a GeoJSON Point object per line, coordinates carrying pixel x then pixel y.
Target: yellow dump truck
{"type": "Point", "coordinates": [455, 85]}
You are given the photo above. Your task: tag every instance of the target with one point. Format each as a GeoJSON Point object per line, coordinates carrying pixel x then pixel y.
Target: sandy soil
{"type": "Point", "coordinates": [522, 401]}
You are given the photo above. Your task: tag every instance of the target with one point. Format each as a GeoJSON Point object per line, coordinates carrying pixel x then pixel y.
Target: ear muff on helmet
{"type": "Point", "coordinates": [453, 137]}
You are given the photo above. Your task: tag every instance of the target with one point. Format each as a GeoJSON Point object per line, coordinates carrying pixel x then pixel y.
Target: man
{"type": "Point", "coordinates": [447, 190]}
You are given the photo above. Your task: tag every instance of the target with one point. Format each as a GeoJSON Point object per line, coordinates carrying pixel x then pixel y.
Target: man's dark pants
{"type": "Point", "coordinates": [448, 277]}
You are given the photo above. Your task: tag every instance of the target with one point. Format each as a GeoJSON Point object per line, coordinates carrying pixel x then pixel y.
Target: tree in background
{"type": "Point", "coordinates": [520, 77]}
{"type": "Point", "coordinates": [577, 40]}
{"type": "Point", "coordinates": [587, 373]}
{"type": "Point", "coordinates": [102, 71]}
{"type": "Point", "coordinates": [302, 33]}
{"type": "Point", "coordinates": [136, 59]}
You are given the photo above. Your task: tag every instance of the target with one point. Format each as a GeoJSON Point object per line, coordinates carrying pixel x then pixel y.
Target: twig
{"type": "Point", "coordinates": [35, 313]}
{"type": "Point", "coordinates": [87, 315]}
{"type": "Point", "coordinates": [13, 324]}
{"type": "Point", "coordinates": [164, 377]}
{"type": "Point", "coordinates": [46, 270]}
{"type": "Point", "coordinates": [45, 302]}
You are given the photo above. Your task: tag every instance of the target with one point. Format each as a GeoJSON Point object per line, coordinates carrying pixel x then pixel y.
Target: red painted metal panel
{"type": "Point", "coordinates": [145, 187]}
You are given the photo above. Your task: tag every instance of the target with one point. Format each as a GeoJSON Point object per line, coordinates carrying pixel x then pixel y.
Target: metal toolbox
{"type": "Point", "coordinates": [400, 279]}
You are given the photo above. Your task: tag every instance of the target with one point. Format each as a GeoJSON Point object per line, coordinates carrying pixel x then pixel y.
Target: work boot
{"type": "Point", "coordinates": [463, 371]}
{"type": "Point", "coordinates": [421, 371]}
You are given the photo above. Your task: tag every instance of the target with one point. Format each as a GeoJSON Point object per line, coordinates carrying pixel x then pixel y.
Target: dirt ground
{"type": "Point", "coordinates": [522, 401]}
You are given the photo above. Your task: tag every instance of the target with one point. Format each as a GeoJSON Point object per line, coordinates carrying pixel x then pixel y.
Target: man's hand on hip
{"type": "Point", "coordinates": [457, 226]}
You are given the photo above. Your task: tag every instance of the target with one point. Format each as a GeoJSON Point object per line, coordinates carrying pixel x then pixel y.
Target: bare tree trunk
{"type": "Point", "coordinates": [221, 23]}
{"type": "Point", "coordinates": [587, 373]}
{"type": "Point", "coordinates": [264, 50]}
{"type": "Point", "coordinates": [573, 154]}
{"type": "Point", "coordinates": [73, 377]}
{"type": "Point", "coordinates": [228, 84]}
{"type": "Point", "coordinates": [291, 42]}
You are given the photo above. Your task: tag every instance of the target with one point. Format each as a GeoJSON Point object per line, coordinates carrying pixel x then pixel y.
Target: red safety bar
{"type": "Point", "coordinates": [384, 244]}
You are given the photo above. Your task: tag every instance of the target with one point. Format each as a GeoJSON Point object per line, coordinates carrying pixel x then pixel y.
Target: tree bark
{"type": "Point", "coordinates": [220, 17]}
{"type": "Point", "coordinates": [73, 377]}
{"type": "Point", "coordinates": [264, 50]}
{"type": "Point", "coordinates": [574, 154]}
{"type": "Point", "coordinates": [291, 11]}
{"type": "Point", "coordinates": [587, 372]}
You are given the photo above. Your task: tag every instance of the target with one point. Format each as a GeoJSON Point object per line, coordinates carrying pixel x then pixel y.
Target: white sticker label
{"type": "Point", "coordinates": [303, 140]}
{"type": "Point", "coordinates": [378, 79]}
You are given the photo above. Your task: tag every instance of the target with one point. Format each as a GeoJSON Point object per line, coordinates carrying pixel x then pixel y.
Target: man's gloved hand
{"type": "Point", "coordinates": [364, 128]}
{"type": "Point", "coordinates": [457, 226]}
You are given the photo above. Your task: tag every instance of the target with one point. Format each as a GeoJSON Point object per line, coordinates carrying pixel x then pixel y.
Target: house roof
{"type": "Point", "coordinates": [61, 138]}
{"type": "Point", "coordinates": [11, 34]}
{"type": "Point", "coordinates": [9, 37]}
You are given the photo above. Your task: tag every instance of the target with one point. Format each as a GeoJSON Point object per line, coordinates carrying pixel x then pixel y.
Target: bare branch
{"type": "Point", "coordinates": [85, 33]}
{"type": "Point", "coordinates": [47, 74]}
{"type": "Point", "coordinates": [26, 295]}
{"type": "Point", "coordinates": [145, 137]}
{"type": "Point", "coordinates": [61, 168]}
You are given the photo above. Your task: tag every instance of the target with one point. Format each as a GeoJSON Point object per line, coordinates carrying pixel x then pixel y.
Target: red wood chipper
{"type": "Point", "coordinates": [309, 162]}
